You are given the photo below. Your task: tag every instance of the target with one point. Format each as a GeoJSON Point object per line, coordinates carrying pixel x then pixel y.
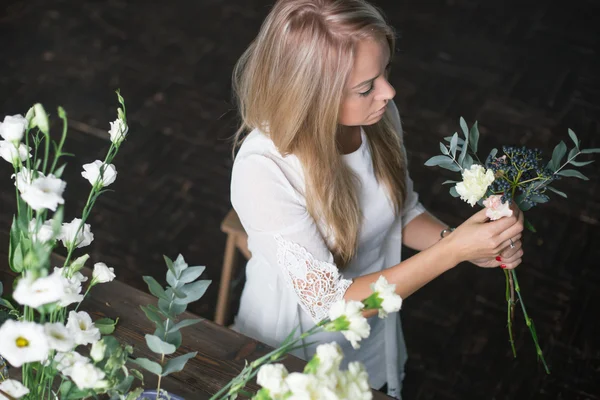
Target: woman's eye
{"type": "Point", "coordinates": [368, 91]}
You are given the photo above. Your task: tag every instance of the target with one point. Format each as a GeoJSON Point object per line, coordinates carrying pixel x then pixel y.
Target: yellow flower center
{"type": "Point", "coordinates": [22, 342]}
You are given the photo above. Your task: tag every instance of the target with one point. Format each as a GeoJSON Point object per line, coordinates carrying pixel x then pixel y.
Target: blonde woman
{"type": "Point", "coordinates": [320, 183]}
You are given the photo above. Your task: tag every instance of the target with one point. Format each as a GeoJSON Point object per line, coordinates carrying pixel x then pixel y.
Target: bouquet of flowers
{"type": "Point", "coordinates": [518, 175]}
{"type": "Point", "coordinates": [64, 354]}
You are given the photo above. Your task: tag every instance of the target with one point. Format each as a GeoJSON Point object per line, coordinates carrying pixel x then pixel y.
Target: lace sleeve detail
{"type": "Point", "coordinates": [318, 284]}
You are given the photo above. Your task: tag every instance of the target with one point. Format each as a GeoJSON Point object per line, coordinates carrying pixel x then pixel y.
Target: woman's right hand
{"type": "Point", "coordinates": [480, 238]}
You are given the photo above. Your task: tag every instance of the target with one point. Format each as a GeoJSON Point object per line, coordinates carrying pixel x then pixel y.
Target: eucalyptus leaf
{"type": "Point", "coordinates": [444, 149]}
{"type": "Point", "coordinates": [177, 364]}
{"type": "Point", "coordinates": [106, 326]}
{"type": "Point", "coordinates": [6, 304]}
{"type": "Point", "coordinates": [185, 323]}
{"type": "Point", "coordinates": [574, 138]}
{"type": "Point", "coordinates": [468, 162]}
{"type": "Point", "coordinates": [135, 394]}
{"type": "Point", "coordinates": [590, 151]}
{"type": "Point", "coordinates": [155, 288]}
{"type": "Point", "coordinates": [453, 192]}
{"type": "Point", "coordinates": [464, 127]}
{"type": "Point", "coordinates": [539, 199]}
{"type": "Point", "coordinates": [572, 154]}
{"type": "Point", "coordinates": [557, 155]}
{"type": "Point", "coordinates": [158, 346]}
{"type": "Point", "coordinates": [558, 192]}
{"type": "Point", "coordinates": [153, 315]}
{"type": "Point", "coordinates": [450, 166]}
{"type": "Point", "coordinates": [174, 337]}
{"type": "Point", "coordinates": [581, 163]}
{"type": "Point", "coordinates": [171, 309]}
{"type": "Point", "coordinates": [449, 139]}
{"type": "Point", "coordinates": [191, 274]}
{"type": "Point", "coordinates": [179, 265]}
{"type": "Point", "coordinates": [148, 365]}
{"type": "Point", "coordinates": [193, 292]}
{"type": "Point", "coordinates": [453, 144]}
{"type": "Point", "coordinates": [437, 160]}
{"type": "Point", "coordinates": [493, 153]}
{"type": "Point", "coordinates": [447, 182]}
{"type": "Point", "coordinates": [474, 138]}
{"type": "Point", "coordinates": [573, 173]}
{"type": "Point", "coordinates": [529, 225]}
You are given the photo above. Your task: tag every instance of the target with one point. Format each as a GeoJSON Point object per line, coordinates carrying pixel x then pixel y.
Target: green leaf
{"type": "Point", "coordinates": [155, 288]}
{"type": "Point", "coordinates": [451, 166]}
{"type": "Point", "coordinates": [521, 203]}
{"type": "Point", "coordinates": [170, 309]}
{"type": "Point", "coordinates": [444, 149]}
{"type": "Point", "coordinates": [474, 137]}
{"type": "Point", "coordinates": [574, 173]}
{"type": "Point", "coordinates": [137, 374]}
{"type": "Point", "coordinates": [185, 323]}
{"type": "Point", "coordinates": [437, 160]}
{"type": "Point", "coordinates": [106, 326]}
{"type": "Point", "coordinates": [572, 153]}
{"type": "Point", "coordinates": [539, 199]}
{"type": "Point", "coordinates": [465, 147]}
{"type": "Point", "coordinates": [574, 138]}
{"type": "Point", "coordinates": [468, 162]}
{"type": "Point", "coordinates": [464, 127]}
{"type": "Point", "coordinates": [158, 346]}
{"type": "Point", "coordinates": [557, 155]}
{"type": "Point", "coordinates": [373, 302]}
{"type": "Point", "coordinates": [453, 192]}
{"type": "Point", "coordinates": [59, 171]}
{"type": "Point", "coordinates": [493, 153]}
{"type": "Point", "coordinates": [152, 314]}
{"type": "Point", "coordinates": [179, 265]}
{"type": "Point", "coordinates": [191, 274]}
{"type": "Point", "coordinates": [449, 139]}
{"type": "Point", "coordinates": [6, 304]}
{"type": "Point", "coordinates": [17, 264]}
{"type": "Point", "coordinates": [148, 365]}
{"type": "Point", "coordinates": [177, 364]}
{"type": "Point", "coordinates": [453, 144]}
{"type": "Point", "coordinates": [135, 394]}
{"type": "Point", "coordinates": [529, 226]}
{"type": "Point", "coordinates": [590, 151]}
{"type": "Point", "coordinates": [558, 192]}
{"type": "Point", "coordinates": [447, 182]}
{"type": "Point", "coordinates": [581, 163]}
{"type": "Point", "coordinates": [193, 292]}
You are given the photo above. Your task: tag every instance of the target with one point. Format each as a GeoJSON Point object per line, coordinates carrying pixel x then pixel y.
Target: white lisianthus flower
{"type": "Point", "coordinates": [23, 342]}
{"type": "Point", "coordinates": [69, 230]}
{"type": "Point", "coordinates": [64, 362]}
{"type": "Point", "coordinates": [14, 389]}
{"type": "Point", "coordinates": [38, 117]}
{"type": "Point", "coordinates": [13, 128]}
{"type": "Point", "coordinates": [25, 177]}
{"type": "Point", "coordinates": [91, 172]}
{"type": "Point", "coordinates": [82, 328]}
{"type": "Point", "coordinates": [98, 350]}
{"type": "Point", "coordinates": [303, 386]}
{"type": "Point", "coordinates": [10, 153]}
{"type": "Point", "coordinates": [44, 234]}
{"type": "Point", "coordinates": [102, 273]}
{"type": "Point", "coordinates": [272, 377]}
{"type": "Point", "coordinates": [86, 375]}
{"type": "Point", "coordinates": [475, 183]}
{"type": "Point", "coordinates": [75, 277]}
{"type": "Point", "coordinates": [45, 192]}
{"type": "Point", "coordinates": [356, 383]}
{"type": "Point", "coordinates": [496, 209]}
{"type": "Point", "coordinates": [37, 292]}
{"type": "Point", "coordinates": [72, 293]}
{"type": "Point", "coordinates": [59, 337]}
{"type": "Point", "coordinates": [351, 322]}
{"type": "Point", "coordinates": [118, 131]}
{"type": "Point", "coordinates": [390, 301]}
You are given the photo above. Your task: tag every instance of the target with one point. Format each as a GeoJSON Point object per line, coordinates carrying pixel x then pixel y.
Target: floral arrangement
{"type": "Point", "coordinates": [63, 354]}
{"type": "Point", "coordinates": [519, 175]}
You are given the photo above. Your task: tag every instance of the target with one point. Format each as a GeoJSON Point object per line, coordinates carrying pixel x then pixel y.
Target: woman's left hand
{"type": "Point", "coordinates": [510, 257]}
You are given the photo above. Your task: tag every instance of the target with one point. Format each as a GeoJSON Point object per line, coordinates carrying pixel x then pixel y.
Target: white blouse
{"type": "Point", "coordinates": [291, 278]}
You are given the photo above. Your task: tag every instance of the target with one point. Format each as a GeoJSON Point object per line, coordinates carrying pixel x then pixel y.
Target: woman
{"type": "Point", "coordinates": [320, 183]}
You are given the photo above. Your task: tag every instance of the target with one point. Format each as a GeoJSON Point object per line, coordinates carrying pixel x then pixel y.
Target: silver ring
{"type": "Point", "coordinates": [512, 245]}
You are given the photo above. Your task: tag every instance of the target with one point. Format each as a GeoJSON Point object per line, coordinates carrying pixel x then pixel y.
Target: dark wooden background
{"type": "Point", "coordinates": [526, 71]}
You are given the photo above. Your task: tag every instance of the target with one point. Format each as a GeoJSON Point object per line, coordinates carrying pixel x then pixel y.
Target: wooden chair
{"type": "Point", "coordinates": [237, 240]}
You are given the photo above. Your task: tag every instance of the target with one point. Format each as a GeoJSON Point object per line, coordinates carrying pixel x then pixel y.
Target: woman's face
{"type": "Point", "coordinates": [367, 91]}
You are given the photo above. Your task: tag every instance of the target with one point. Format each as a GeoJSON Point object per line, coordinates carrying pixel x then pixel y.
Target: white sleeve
{"type": "Point", "coordinates": [411, 207]}
{"type": "Point", "coordinates": [281, 230]}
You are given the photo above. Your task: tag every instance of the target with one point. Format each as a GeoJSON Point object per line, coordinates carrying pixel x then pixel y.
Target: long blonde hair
{"type": "Point", "coordinates": [289, 83]}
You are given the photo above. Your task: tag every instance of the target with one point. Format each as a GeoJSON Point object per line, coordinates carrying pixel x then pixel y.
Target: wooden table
{"type": "Point", "coordinates": [221, 352]}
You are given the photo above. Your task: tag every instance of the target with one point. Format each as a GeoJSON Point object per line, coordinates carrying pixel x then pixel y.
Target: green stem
{"type": "Point", "coordinates": [60, 145]}
{"type": "Point", "coordinates": [529, 323]}
{"type": "Point", "coordinates": [508, 311]}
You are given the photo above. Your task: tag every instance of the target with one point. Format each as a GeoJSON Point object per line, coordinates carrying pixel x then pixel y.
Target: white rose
{"type": "Point", "coordinates": [59, 337]}
{"type": "Point", "coordinates": [44, 234]}
{"type": "Point", "coordinates": [86, 375]}
{"type": "Point", "coordinates": [118, 131]}
{"type": "Point", "coordinates": [37, 292]}
{"type": "Point", "coordinates": [23, 342]}
{"type": "Point", "coordinates": [97, 351]}
{"type": "Point", "coordinates": [102, 273]}
{"type": "Point", "coordinates": [14, 389]}
{"type": "Point", "coordinates": [10, 153]}
{"type": "Point", "coordinates": [391, 302]}
{"type": "Point", "coordinates": [44, 192]}
{"type": "Point", "coordinates": [352, 323]}
{"type": "Point", "coordinates": [64, 362]}
{"type": "Point", "coordinates": [13, 127]}
{"type": "Point", "coordinates": [91, 172]}
{"type": "Point", "coordinates": [272, 377]}
{"type": "Point", "coordinates": [82, 328]}
{"type": "Point", "coordinates": [69, 230]}
{"type": "Point", "coordinates": [475, 183]}
{"type": "Point", "coordinates": [496, 209]}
